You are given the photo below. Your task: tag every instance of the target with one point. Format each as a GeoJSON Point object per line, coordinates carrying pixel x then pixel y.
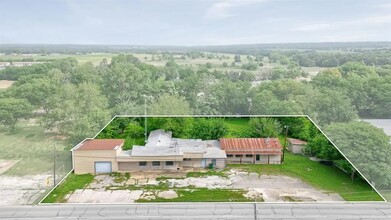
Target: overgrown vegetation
{"type": "Point", "coordinates": [71, 183]}
{"type": "Point", "coordinates": [204, 195]}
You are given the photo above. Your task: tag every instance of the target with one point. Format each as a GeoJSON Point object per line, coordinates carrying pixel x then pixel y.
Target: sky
{"type": "Point", "coordinates": [193, 22]}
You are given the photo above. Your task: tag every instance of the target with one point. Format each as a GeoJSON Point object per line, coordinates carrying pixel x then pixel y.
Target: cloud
{"type": "Point", "coordinates": [223, 8]}
{"type": "Point", "coordinates": [312, 27]}
{"type": "Point", "coordinates": [386, 5]}
{"type": "Point", "coordinates": [367, 21]}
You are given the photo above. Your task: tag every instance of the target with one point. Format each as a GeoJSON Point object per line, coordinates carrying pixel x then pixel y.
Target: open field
{"type": "Point", "coordinates": [27, 155]}
{"type": "Point", "coordinates": [94, 58]}
{"type": "Point", "coordinates": [158, 60]}
{"type": "Point", "coordinates": [5, 84]}
{"type": "Point", "coordinates": [33, 148]}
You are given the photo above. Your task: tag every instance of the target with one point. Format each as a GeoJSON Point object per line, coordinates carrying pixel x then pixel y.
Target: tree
{"type": "Point", "coordinates": [328, 106]}
{"type": "Point", "coordinates": [231, 97]}
{"type": "Point", "coordinates": [123, 81]}
{"type": "Point", "coordinates": [250, 66]}
{"type": "Point", "coordinates": [367, 147]}
{"type": "Point", "coordinates": [237, 58]}
{"type": "Point", "coordinates": [170, 105]}
{"type": "Point", "coordinates": [37, 89]}
{"type": "Point", "coordinates": [133, 129]}
{"type": "Point", "coordinates": [208, 128]}
{"type": "Point", "coordinates": [321, 148]}
{"type": "Point", "coordinates": [225, 64]}
{"type": "Point", "coordinates": [77, 111]}
{"type": "Point", "coordinates": [12, 109]}
{"type": "Point", "coordinates": [265, 127]}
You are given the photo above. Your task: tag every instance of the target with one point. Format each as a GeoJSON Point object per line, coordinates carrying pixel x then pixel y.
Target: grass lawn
{"type": "Point", "coordinates": [323, 177]}
{"type": "Point", "coordinates": [71, 183]}
{"type": "Point", "coordinates": [204, 195]}
{"type": "Point", "coordinates": [33, 148]}
{"type": "Point", "coordinates": [236, 126]}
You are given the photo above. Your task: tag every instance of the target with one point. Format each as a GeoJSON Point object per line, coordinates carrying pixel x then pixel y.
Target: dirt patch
{"type": "Point", "coordinates": [5, 84]}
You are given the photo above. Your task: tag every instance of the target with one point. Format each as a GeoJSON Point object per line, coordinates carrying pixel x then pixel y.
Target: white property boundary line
{"type": "Point", "coordinates": [62, 180]}
{"type": "Point", "coordinates": [221, 116]}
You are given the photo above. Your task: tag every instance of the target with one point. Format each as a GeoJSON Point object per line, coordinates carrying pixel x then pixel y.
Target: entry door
{"type": "Point", "coordinates": [257, 157]}
{"type": "Point", "coordinates": [102, 167]}
{"type": "Point", "coordinates": [214, 162]}
{"type": "Point", "coordinates": [203, 163]}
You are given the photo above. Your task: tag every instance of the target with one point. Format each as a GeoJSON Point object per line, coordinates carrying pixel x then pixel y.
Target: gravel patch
{"type": "Point", "coordinates": [210, 182]}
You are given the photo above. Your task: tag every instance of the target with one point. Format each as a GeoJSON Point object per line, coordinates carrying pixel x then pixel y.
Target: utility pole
{"type": "Point", "coordinates": [54, 165]}
{"type": "Point", "coordinates": [145, 118]}
{"type": "Point", "coordinates": [285, 143]}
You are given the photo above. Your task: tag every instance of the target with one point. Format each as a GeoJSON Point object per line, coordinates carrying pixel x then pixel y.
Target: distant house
{"type": "Point", "coordinates": [4, 64]}
{"type": "Point", "coordinates": [160, 152]}
{"type": "Point", "coordinates": [252, 150]}
{"type": "Point", "coordinates": [296, 146]}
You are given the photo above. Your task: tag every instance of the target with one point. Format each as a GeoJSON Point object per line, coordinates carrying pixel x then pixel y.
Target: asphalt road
{"type": "Point", "coordinates": [201, 211]}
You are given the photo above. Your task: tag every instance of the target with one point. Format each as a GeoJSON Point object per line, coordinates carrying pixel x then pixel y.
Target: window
{"type": "Point", "coordinates": [169, 163]}
{"type": "Point", "coordinates": [239, 155]}
{"type": "Point", "coordinates": [142, 163]}
{"type": "Point", "coordinates": [249, 155]}
{"type": "Point", "coordinates": [155, 163]}
{"type": "Point", "coordinates": [230, 155]}
{"type": "Point", "coordinates": [186, 159]}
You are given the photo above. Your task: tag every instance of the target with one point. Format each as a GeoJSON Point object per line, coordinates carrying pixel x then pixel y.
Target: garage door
{"type": "Point", "coordinates": [102, 167]}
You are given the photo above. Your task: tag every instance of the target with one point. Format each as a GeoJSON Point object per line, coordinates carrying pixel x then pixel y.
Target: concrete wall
{"type": "Point", "coordinates": [84, 160]}
{"type": "Point", "coordinates": [295, 148]}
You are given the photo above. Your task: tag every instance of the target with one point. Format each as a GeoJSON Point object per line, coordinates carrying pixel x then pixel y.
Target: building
{"type": "Point", "coordinates": [96, 155]}
{"type": "Point", "coordinates": [296, 146]}
{"type": "Point", "coordinates": [160, 152]}
{"type": "Point", "coordinates": [252, 150]}
{"type": "Point", "coordinates": [3, 65]}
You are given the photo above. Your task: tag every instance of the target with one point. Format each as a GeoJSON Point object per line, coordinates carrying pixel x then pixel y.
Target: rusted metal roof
{"type": "Point", "coordinates": [251, 145]}
{"type": "Point", "coordinates": [101, 144]}
{"type": "Point", "coordinates": [296, 141]}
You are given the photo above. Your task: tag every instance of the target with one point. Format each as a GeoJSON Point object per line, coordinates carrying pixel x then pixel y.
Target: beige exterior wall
{"type": "Point", "coordinates": [194, 162]}
{"type": "Point", "coordinates": [84, 160]}
{"type": "Point", "coordinates": [130, 166]}
{"type": "Point", "coordinates": [220, 163]}
{"type": "Point", "coordinates": [263, 159]}
{"type": "Point", "coordinates": [136, 159]}
{"type": "Point", "coordinates": [193, 155]}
